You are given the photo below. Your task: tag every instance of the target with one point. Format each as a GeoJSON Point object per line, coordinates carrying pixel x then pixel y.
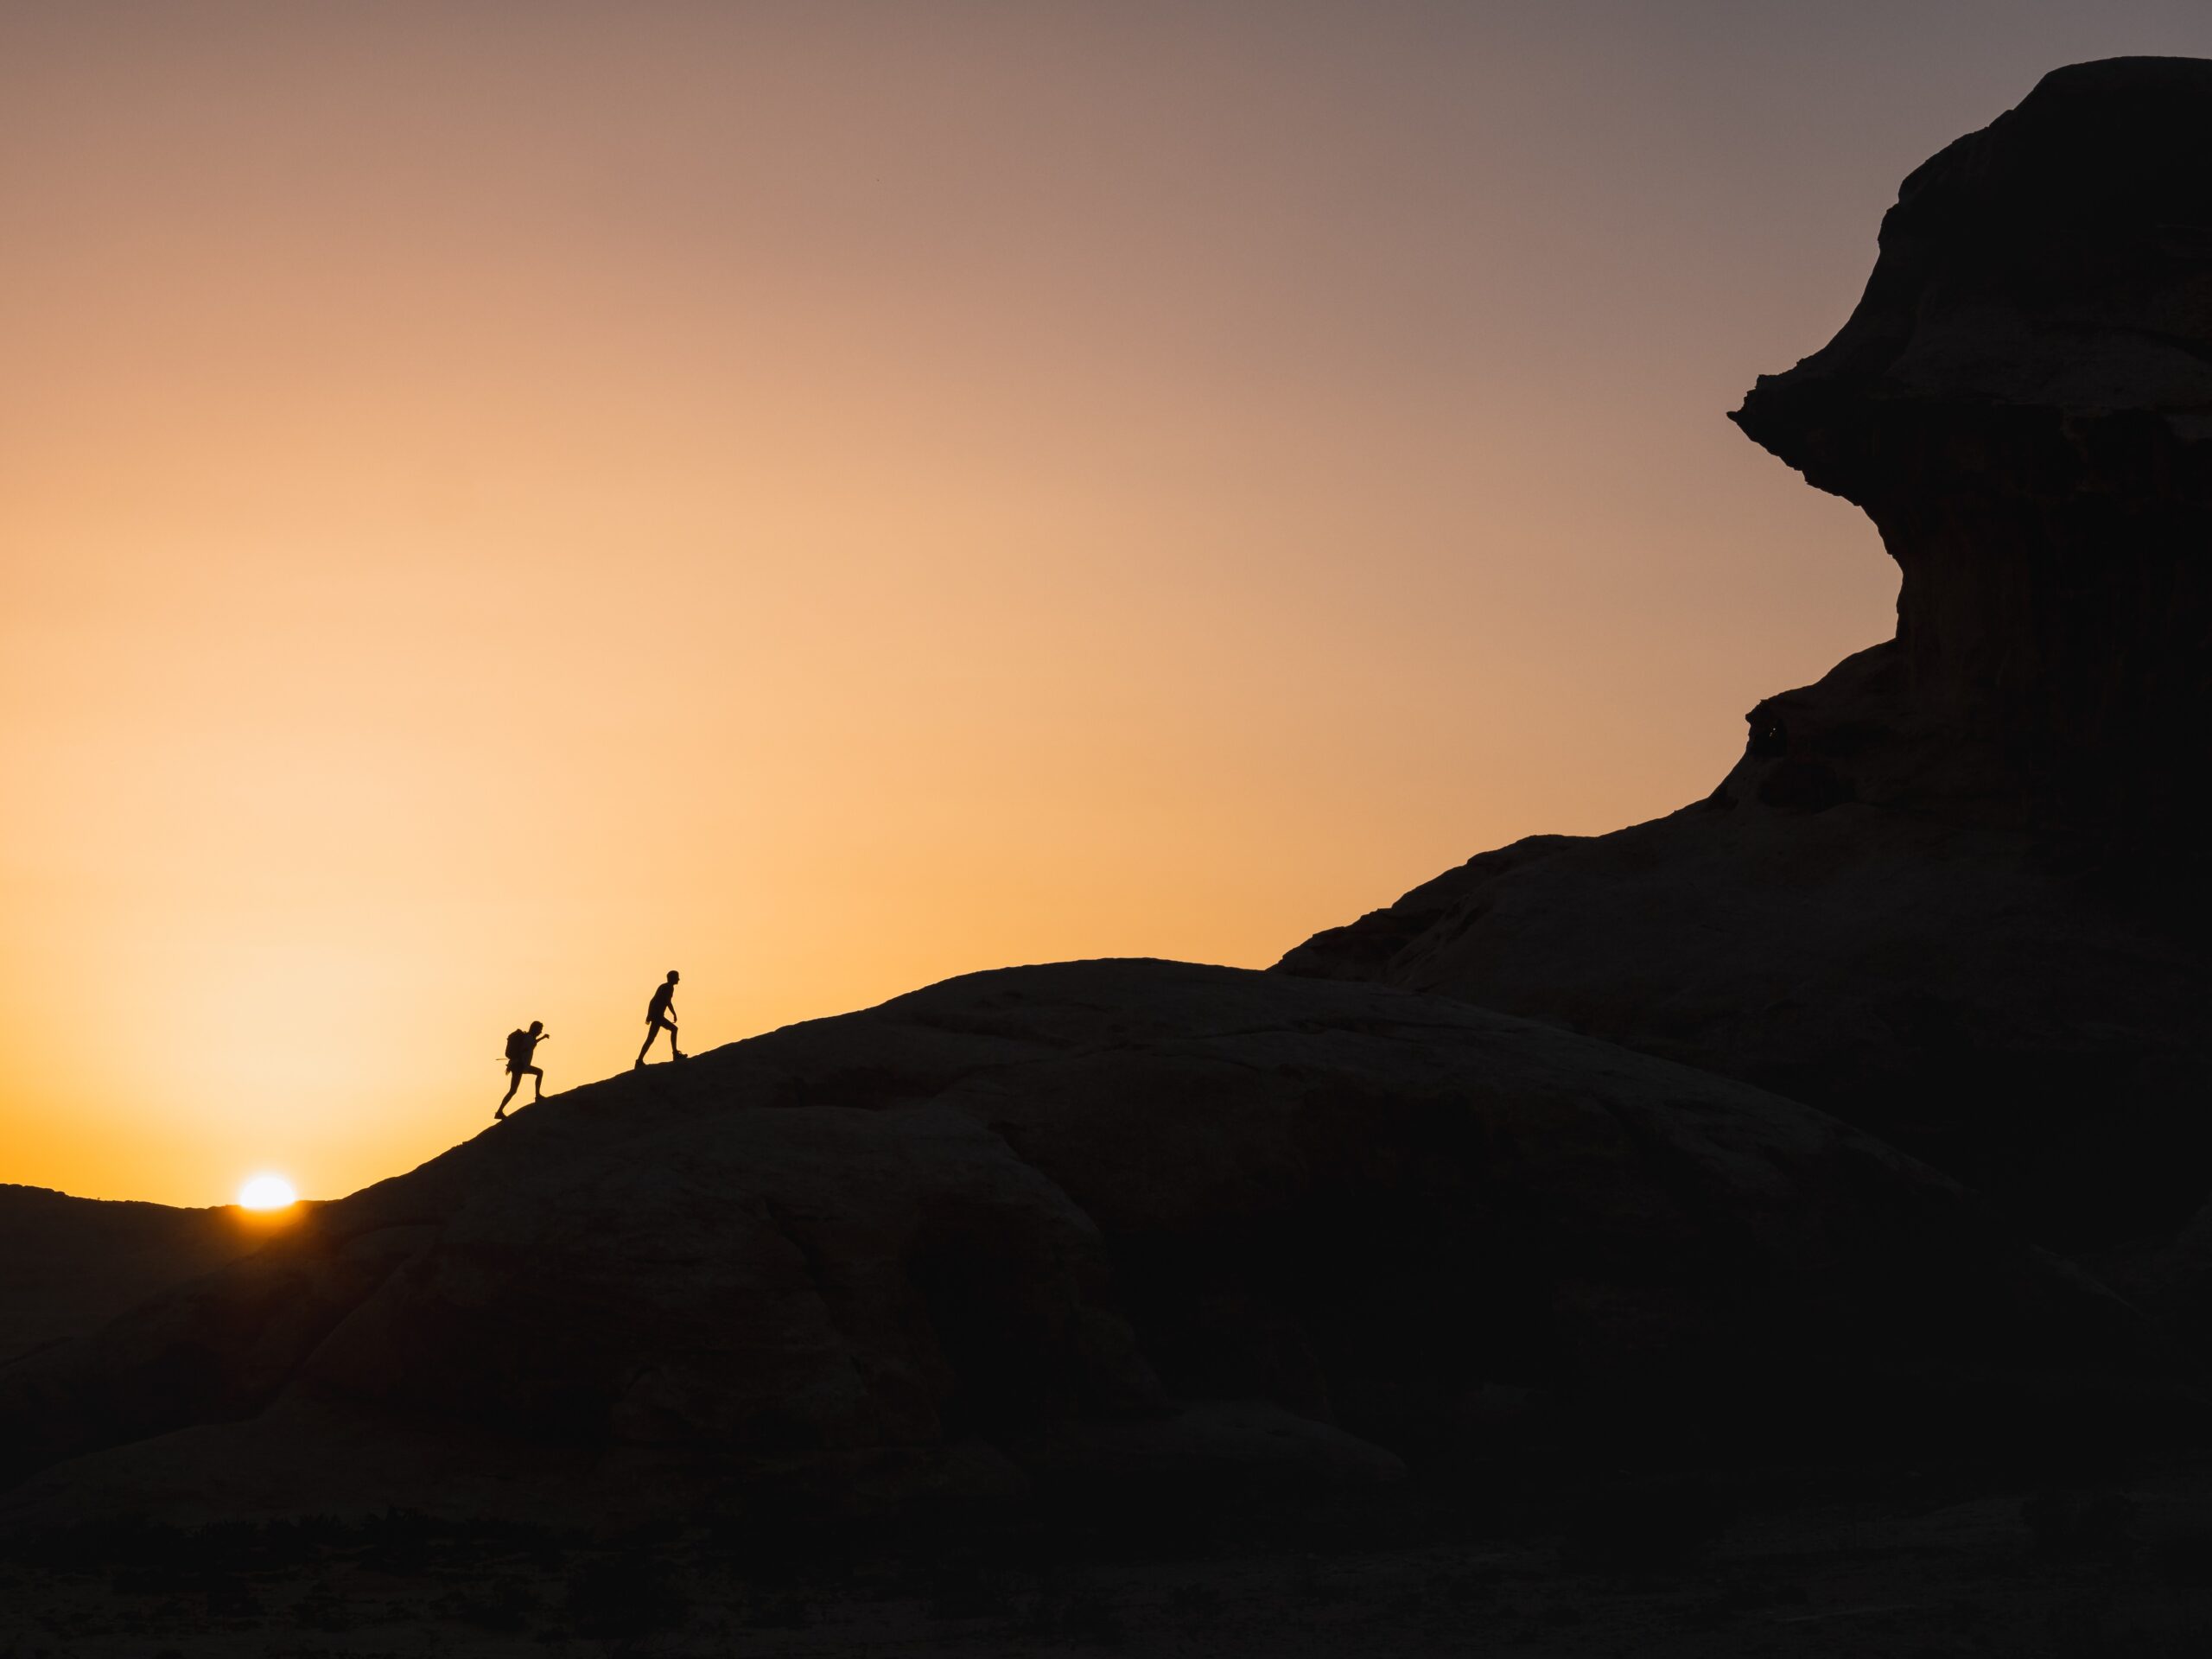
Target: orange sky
{"type": "Point", "coordinates": [499, 500]}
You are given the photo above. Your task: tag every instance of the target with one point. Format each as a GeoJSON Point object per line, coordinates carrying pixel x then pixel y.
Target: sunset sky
{"type": "Point", "coordinates": [500, 501]}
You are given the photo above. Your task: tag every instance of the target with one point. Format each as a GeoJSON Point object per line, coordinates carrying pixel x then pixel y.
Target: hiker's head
{"type": "Point", "coordinates": [536, 1026]}
{"type": "Point", "coordinates": [673, 975]}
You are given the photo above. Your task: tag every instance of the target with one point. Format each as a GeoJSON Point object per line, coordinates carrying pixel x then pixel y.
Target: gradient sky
{"type": "Point", "coordinates": [499, 500]}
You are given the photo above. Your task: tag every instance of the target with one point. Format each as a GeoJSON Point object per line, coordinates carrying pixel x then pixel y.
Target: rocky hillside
{"type": "Point", "coordinates": [1052, 1226]}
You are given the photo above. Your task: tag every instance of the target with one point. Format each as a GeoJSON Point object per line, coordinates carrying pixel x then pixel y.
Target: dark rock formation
{"type": "Point", "coordinates": [1053, 1226]}
{"type": "Point", "coordinates": [2023, 404]}
{"type": "Point", "coordinates": [1956, 891]}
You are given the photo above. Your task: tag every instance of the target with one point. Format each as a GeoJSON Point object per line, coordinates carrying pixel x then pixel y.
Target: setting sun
{"type": "Point", "coordinates": [267, 1193]}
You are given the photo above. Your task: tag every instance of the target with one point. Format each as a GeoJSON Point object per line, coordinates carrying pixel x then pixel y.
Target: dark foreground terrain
{"type": "Point", "coordinates": [1934, 1563]}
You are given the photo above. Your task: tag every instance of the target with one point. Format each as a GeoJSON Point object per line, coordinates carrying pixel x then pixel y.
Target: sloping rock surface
{"type": "Point", "coordinates": [1047, 1227]}
{"type": "Point", "coordinates": [1955, 892]}
{"type": "Point", "coordinates": [1937, 983]}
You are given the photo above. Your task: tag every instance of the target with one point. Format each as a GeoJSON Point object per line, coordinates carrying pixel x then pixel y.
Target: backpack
{"type": "Point", "coordinates": [519, 1047]}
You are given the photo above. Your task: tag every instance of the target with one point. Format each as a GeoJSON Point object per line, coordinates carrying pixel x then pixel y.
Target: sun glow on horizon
{"type": "Point", "coordinates": [267, 1193]}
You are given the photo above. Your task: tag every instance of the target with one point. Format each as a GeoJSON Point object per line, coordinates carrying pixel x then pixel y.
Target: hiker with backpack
{"type": "Point", "coordinates": [660, 1015]}
{"type": "Point", "coordinates": [521, 1045]}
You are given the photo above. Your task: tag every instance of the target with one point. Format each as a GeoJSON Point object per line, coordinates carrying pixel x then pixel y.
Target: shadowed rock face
{"type": "Point", "coordinates": [1135, 1221]}
{"type": "Point", "coordinates": [2023, 404]}
{"type": "Point", "coordinates": [1955, 892]}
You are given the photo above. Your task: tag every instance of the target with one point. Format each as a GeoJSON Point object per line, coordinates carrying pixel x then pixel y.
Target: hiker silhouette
{"type": "Point", "coordinates": [522, 1046]}
{"type": "Point", "coordinates": [660, 1015]}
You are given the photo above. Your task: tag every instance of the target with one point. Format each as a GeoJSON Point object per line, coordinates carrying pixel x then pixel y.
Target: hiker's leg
{"type": "Point", "coordinates": [650, 1030]}
{"type": "Point", "coordinates": [536, 1083]}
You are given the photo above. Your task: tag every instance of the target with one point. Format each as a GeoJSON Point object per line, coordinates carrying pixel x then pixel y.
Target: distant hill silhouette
{"type": "Point", "coordinates": [1955, 892]}
{"type": "Point", "coordinates": [68, 1265]}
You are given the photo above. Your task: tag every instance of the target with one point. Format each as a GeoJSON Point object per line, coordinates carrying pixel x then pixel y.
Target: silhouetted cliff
{"type": "Point", "coordinates": [2022, 404]}
{"type": "Point", "coordinates": [1955, 891]}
